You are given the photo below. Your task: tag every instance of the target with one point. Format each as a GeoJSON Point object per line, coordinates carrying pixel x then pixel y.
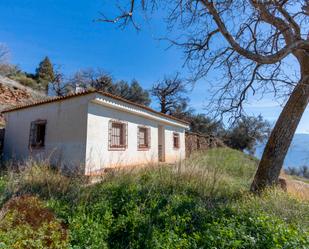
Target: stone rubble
{"type": "Point", "coordinates": [14, 94]}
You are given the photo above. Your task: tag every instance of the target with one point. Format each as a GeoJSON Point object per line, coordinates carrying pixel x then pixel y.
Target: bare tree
{"type": "Point", "coordinates": [92, 78]}
{"type": "Point", "coordinates": [169, 93]}
{"type": "Point", "coordinates": [260, 39]}
{"type": "Point", "coordinates": [58, 84]}
{"type": "Point", "coordinates": [3, 53]}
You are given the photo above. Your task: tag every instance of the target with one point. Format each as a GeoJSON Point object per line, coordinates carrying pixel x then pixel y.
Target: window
{"type": "Point", "coordinates": [176, 140]}
{"type": "Point", "coordinates": [117, 135]}
{"type": "Point", "coordinates": [37, 134]}
{"type": "Point", "coordinates": [143, 137]}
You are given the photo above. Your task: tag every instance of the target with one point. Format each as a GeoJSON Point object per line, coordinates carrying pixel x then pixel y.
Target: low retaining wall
{"type": "Point", "coordinates": [198, 142]}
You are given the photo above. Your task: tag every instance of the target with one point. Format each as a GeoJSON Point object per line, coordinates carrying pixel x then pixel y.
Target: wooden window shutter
{"type": "Point", "coordinates": [149, 138]}
{"type": "Point", "coordinates": [126, 134]}
{"type": "Point", "coordinates": [176, 140]}
{"type": "Point", "coordinates": [37, 134]}
{"type": "Point", "coordinates": [31, 134]}
{"type": "Point", "coordinates": [138, 137]}
{"type": "Point", "coordinates": [110, 133]}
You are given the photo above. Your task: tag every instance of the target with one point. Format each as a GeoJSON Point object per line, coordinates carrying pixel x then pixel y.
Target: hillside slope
{"type": "Point", "coordinates": [201, 203]}
{"type": "Point", "coordinates": [12, 93]}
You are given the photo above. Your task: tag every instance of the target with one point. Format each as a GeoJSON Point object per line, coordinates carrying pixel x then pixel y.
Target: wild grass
{"type": "Point", "coordinates": [202, 202]}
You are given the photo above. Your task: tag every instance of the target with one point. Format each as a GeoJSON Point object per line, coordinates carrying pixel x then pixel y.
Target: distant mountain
{"type": "Point", "coordinates": [298, 154]}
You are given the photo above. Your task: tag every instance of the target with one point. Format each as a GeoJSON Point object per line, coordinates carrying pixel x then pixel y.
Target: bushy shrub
{"type": "Point", "coordinates": [26, 223]}
{"type": "Point", "coordinates": [26, 81]}
{"type": "Point", "coordinates": [3, 185]}
{"type": "Point", "coordinates": [143, 214]}
{"type": "Point", "coordinates": [277, 203]}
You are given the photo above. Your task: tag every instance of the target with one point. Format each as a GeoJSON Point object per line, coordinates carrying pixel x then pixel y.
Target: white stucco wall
{"type": "Point", "coordinates": [172, 154]}
{"type": "Point", "coordinates": [77, 133]}
{"type": "Point", "coordinates": [97, 151]}
{"type": "Point", "coordinates": [65, 132]}
{"type": "Point", "coordinates": [98, 155]}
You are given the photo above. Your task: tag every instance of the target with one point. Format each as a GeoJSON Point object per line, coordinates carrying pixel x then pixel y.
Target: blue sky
{"type": "Point", "coordinates": [64, 30]}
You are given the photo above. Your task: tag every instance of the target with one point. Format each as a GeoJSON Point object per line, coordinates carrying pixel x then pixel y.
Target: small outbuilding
{"type": "Point", "coordinates": [92, 131]}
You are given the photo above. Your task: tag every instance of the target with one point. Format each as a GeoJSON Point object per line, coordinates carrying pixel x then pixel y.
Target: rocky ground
{"type": "Point", "coordinates": [12, 94]}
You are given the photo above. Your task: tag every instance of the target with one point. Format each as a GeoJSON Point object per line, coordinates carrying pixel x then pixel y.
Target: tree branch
{"type": "Point", "coordinates": [261, 59]}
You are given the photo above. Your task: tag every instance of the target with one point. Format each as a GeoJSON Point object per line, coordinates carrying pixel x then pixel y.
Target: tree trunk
{"type": "Point", "coordinates": [281, 137]}
{"type": "Point", "coordinates": [163, 105]}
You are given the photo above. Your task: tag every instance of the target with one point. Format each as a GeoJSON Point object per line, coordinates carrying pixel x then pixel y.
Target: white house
{"type": "Point", "coordinates": [92, 131]}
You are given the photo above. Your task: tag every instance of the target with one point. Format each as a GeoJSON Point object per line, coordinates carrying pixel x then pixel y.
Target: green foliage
{"type": "Point", "coordinates": [246, 132]}
{"type": "Point", "coordinates": [139, 212]}
{"type": "Point", "coordinates": [137, 94]}
{"type": "Point", "coordinates": [276, 203]}
{"type": "Point", "coordinates": [14, 73]}
{"type": "Point", "coordinates": [133, 92]}
{"type": "Point", "coordinates": [25, 80]}
{"type": "Point", "coordinates": [3, 186]}
{"type": "Point", "coordinates": [100, 80]}
{"type": "Point", "coordinates": [202, 124]}
{"type": "Point", "coordinates": [201, 203]}
{"type": "Point", "coordinates": [27, 224]}
{"type": "Point", "coordinates": [45, 73]}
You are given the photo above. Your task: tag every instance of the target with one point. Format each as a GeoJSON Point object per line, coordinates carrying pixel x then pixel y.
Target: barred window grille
{"type": "Point", "coordinates": [117, 135]}
{"type": "Point", "coordinates": [176, 140]}
{"type": "Point", "coordinates": [37, 134]}
{"type": "Point", "coordinates": [143, 137]}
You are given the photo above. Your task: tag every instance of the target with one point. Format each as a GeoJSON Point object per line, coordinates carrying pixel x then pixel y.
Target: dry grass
{"type": "Point", "coordinates": [298, 189]}
{"type": "Point", "coordinates": [295, 186]}
{"type": "Point", "coordinates": [39, 178]}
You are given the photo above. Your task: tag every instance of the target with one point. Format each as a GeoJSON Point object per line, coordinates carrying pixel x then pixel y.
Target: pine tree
{"type": "Point", "coordinates": [45, 73]}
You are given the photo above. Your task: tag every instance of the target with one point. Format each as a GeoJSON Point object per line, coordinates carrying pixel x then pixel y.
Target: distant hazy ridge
{"type": "Point", "coordinates": [298, 154]}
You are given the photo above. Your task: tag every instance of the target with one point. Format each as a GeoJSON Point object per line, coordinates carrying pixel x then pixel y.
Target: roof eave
{"type": "Point", "coordinates": [142, 113]}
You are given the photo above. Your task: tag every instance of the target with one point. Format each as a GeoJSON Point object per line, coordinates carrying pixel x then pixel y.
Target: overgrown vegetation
{"type": "Point", "coordinates": [202, 203]}
{"type": "Point", "coordinates": [28, 224]}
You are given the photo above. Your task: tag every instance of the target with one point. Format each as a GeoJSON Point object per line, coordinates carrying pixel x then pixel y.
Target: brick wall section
{"type": "Point", "coordinates": [198, 142]}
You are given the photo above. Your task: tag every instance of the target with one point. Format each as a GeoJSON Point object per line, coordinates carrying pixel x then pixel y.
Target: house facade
{"type": "Point", "coordinates": [92, 131]}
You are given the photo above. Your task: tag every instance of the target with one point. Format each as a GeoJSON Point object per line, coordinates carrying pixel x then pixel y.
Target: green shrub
{"type": "Point", "coordinates": [279, 204]}
{"type": "Point", "coordinates": [26, 81]}
{"type": "Point", "coordinates": [141, 214]}
{"type": "Point", "coordinates": [201, 203]}
{"type": "Point", "coordinates": [28, 224]}
{"type": "Point", "coordinates": [3, 185]}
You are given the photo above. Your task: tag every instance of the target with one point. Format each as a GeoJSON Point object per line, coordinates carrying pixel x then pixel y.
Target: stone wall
{"type": "Point", "coordinates": [198, 142]}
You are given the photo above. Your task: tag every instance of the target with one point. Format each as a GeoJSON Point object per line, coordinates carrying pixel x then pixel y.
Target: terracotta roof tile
{"type": "Point", "coordinates": [61, 98]}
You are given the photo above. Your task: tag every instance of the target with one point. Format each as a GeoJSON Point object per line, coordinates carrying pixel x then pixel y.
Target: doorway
{"type": "Point", "coordinates": [161, 143]}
